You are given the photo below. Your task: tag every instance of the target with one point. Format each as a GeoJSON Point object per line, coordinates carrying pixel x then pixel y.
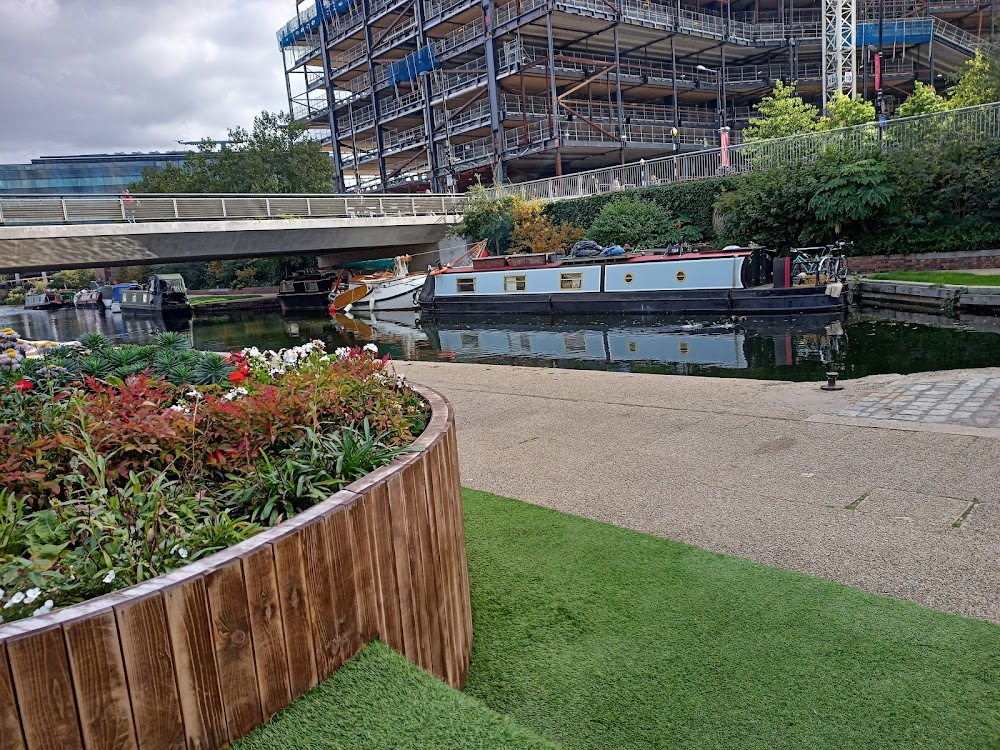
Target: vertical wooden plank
{"type": "Point", "coordinates": [149, 669]}
{"type": "Point", "coordinates": [446, 667]}
{"type": "Point", "coordinates": [227, 601]}
{"type": "Point", "coordinates": [359, 515]}
{"type": "Point", "coordinates": [401, 550]}
{"type": "Point", "coordinates": [386, 588]}
{"type": "Point", "coordinates": [268, 632]}
{"type": "Point", "coordinates": [190, 626]}
{"type": "Point", "coordinates": [422, 597]}
{"type": "Point", "coordinates": [451, 462]}
{"type": "Point", "coordinates": [449, 575]}
{"type": "Point", "coordinates": [44, 690]}
{"type": "Point", "coordinates": [296, 616]}
{"type": "Point", "coordinates": [344, 584]}
{"type": "Point", "coordinates": [11, 737]}
{"type": "Point", "coordinates": [102, 699]}
{"type": "Point", "coordinates": [326, 640]}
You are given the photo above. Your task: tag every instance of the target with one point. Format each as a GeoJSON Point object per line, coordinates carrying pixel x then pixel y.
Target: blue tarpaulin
{"type": "Point", "coordinates": [407, 69]}
{"type": "Point", "coordinates": [909, 31]}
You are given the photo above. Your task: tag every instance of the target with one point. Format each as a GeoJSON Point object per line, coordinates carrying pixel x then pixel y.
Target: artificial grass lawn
{"type": "Point", "coordinates": [597, 637]}
{"type": "Point", "coordinates": [379, 700]}
{"type": "Point", "coordinates": [940, 277]}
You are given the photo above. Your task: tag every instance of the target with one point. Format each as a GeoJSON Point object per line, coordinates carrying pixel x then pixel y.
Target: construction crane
{"type": "Point", "coordinates": [840, 57]}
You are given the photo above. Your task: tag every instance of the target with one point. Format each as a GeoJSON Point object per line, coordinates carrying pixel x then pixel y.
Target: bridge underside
{"type": "Point", "coordinates": [57, 247]}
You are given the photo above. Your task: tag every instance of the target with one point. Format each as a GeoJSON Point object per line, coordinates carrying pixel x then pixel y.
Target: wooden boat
{"type": "Point", "coordinates": [732, 282]}
{"type": "Point", "coordinates": [50, 299]}
{"type": "Point", "coordinates": [165, 294]}
{"type": "Point", "coordinates": [379, 292]}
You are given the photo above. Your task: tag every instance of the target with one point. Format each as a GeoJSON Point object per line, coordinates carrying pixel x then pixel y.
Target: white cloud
{"type": "Point", "coordinates": [87, 76]}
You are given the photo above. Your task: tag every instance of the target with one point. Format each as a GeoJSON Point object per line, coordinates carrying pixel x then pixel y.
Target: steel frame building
{"type": "Point", "coordinates": [426, 94]}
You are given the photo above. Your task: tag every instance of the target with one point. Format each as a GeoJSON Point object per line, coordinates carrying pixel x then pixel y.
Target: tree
{"type": "Point", "coordinates": [843, 111]}
{"type": "Point", "coordinates": [850, 192]}
{"type": "Point", "coordinates": [978, 82]}
{"type": "Point", "coordinates": [781, 113]}
{"type": "Point", "coordinates": [534, 232]}
{"type": "Point", "coordinates": [923, 101]}
{"type": "Point", "coordinates": [486, 218]}
{"type": "Point", "coordinates": [276, 156]}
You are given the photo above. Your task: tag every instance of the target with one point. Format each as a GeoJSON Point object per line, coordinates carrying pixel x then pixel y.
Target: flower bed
{"type": "Point", "coordinates": [118, 464]}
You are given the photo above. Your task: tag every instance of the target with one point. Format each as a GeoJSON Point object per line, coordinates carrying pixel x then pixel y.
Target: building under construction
{"type": "Point", "coordinates": [428, 94]}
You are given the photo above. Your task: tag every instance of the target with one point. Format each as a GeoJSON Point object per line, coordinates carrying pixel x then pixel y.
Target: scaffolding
{"type": "Point", "coordinates": [417, 95]}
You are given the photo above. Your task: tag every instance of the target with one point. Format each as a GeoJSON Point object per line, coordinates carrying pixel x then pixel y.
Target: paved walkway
{"type": "Point", "coordinates": [830, 484]}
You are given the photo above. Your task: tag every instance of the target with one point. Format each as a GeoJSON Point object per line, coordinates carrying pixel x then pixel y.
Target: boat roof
{"type": "Point", "coordinates": [602, 259]}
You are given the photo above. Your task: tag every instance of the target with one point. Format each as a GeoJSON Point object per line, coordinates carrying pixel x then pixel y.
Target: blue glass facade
{"type": "Point", "coordinates": [87, 173]}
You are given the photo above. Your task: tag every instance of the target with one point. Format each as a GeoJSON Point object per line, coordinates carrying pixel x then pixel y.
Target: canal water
{"type": "Point", "coordinates": [785, 348]}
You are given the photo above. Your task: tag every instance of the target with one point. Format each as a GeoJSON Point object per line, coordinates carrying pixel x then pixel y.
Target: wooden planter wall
{"type": "Point", "coordinates": [199, 657]}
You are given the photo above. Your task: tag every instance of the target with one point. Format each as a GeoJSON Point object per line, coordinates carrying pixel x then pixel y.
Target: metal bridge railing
{"type": "Point", "coordinates": [24, 210]}
{"type": "Point", "coordinates": [910, 133]}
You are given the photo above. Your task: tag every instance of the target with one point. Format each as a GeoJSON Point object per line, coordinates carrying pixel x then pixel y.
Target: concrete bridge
{"type": "Point", "coordinates": [92, 231]}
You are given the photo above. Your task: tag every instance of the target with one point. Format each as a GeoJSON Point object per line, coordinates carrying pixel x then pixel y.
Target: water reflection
{"type": "Point", "coordinates": [790, 348]}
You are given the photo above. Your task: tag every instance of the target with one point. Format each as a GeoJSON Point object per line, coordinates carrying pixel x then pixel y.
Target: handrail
{"type": "Point", "coordinates": [21, 210]}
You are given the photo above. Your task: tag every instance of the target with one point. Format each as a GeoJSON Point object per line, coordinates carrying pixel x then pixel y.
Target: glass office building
{"type": "Point", "coordinates": [86, 173]}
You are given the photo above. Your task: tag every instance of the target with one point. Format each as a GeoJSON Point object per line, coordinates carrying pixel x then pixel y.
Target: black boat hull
{"type": "Point", "coordinates": [305, 302]}
{"type": "Point", "coordinates": [759, 301]}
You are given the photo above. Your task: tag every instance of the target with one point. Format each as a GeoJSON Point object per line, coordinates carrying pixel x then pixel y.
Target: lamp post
{"type": "Point", "coordinates": [720, 105]}
{"type": "Point", "coordinates": [677, 158]}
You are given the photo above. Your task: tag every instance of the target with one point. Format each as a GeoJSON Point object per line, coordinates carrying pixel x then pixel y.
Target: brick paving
{"type": "Point", "coordinates": [971, 403]}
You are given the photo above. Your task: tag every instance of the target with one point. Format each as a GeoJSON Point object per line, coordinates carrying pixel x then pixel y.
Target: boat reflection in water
{"type": "Point", "coordinates": [628, 344]}
{"type": "Point", "coordinates": [71, 323]}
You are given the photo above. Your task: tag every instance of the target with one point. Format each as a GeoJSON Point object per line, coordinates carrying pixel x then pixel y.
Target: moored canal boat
{"type": "Point", "coordinates": [111, 295]}
{"type": "Point", "coordinates": [50, 299]}
{"type": "Point", "coordinates": [735, 281]}
{"type": "Point", "coordinates": [87, 298]}
{"type": "Point", "coordinates": [166, 294]}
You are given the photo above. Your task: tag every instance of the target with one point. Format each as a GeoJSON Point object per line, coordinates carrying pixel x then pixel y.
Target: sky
{"type": "Point", "coordinates": [104, 76]}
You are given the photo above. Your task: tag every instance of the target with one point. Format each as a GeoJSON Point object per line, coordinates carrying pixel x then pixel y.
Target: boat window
{"type": "Point", "coordinates": [514, 283]}
{"type": "Point", "coordinates": [287, 286]}
{"type": "Point", "coordinates": [571, 280]}
{"type": "Point", "coordinates": [466, 284]}
{"type": "Point", "coordinates": [312, 286]}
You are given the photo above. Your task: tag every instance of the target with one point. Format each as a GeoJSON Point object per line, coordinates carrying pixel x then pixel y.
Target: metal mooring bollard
{"type": "Point", "coordinates": [831, 382]}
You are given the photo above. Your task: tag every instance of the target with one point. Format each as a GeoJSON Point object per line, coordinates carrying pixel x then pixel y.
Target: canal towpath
{"type": "Point", "coordinates": [865, 486]}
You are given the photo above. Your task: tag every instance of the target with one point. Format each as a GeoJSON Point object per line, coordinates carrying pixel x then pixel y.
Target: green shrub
{"type": "Point", "coordinates": [630, 221]}
{"type": "Point", "coordinates": [693, 200]}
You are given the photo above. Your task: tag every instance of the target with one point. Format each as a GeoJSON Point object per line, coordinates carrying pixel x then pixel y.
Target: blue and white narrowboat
{"type": "Point", "coordinates": [730, 282]}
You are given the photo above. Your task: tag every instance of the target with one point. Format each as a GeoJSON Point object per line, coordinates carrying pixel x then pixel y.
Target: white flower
{"type": "Point", "coordinates": [2, 592]}
{"type": "Point", "coordinates": [194, 394]}
{"type": "Point", "coordinates": [31, 594]}
{"type": "Point", "coordinates": [109, 577]}
{"type": "Point", "coordinates": [183, 553]}
{"type": "Point", "coordinates": [342, 352]}
{"type": "Point", "coordinates": [371, 348]}
{"type": "Point", "coordinates": [16, 599]}
{"type": "Point", "coordinates": [236, 393]}
{"type": "Point", "coordinates": [44, 609]}
{"type": "Point", "coordinates": [177, 407]}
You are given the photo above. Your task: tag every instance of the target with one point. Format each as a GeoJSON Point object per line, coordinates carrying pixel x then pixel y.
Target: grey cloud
{"type": "Point", "coordinates": [83, 76]}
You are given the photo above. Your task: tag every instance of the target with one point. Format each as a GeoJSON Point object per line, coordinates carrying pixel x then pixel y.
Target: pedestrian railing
{"type": "Point", "coordinates": [903, 134]}
{"type": "Point", "coordinates": [90, 209]}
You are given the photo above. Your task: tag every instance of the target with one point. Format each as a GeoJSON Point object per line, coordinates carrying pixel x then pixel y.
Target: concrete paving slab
{"type": "Point", "coordinates": [762, 470]}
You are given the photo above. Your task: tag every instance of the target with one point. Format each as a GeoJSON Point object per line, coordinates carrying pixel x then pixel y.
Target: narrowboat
{"type": "Point", "coordinates": [47, 300]}
{"type": "Point", "coordinates": [166, 294]}
{"type": "Point", "coordinates": [734, 281]}
{"type": "Point", "coordinates": [111, 295]}
{"type": "Point", "coordinates": [87, 298]}
{"type": "Point", "coordinates": [304, 292]}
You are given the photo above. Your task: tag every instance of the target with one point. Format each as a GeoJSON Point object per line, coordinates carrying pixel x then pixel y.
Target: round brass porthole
{"type": "Point", "coordinates": [684, 348]}
{"type": "Point", "coordinates": [629, 278]}
{"type": "Point", "coordinates": [680, 276]}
